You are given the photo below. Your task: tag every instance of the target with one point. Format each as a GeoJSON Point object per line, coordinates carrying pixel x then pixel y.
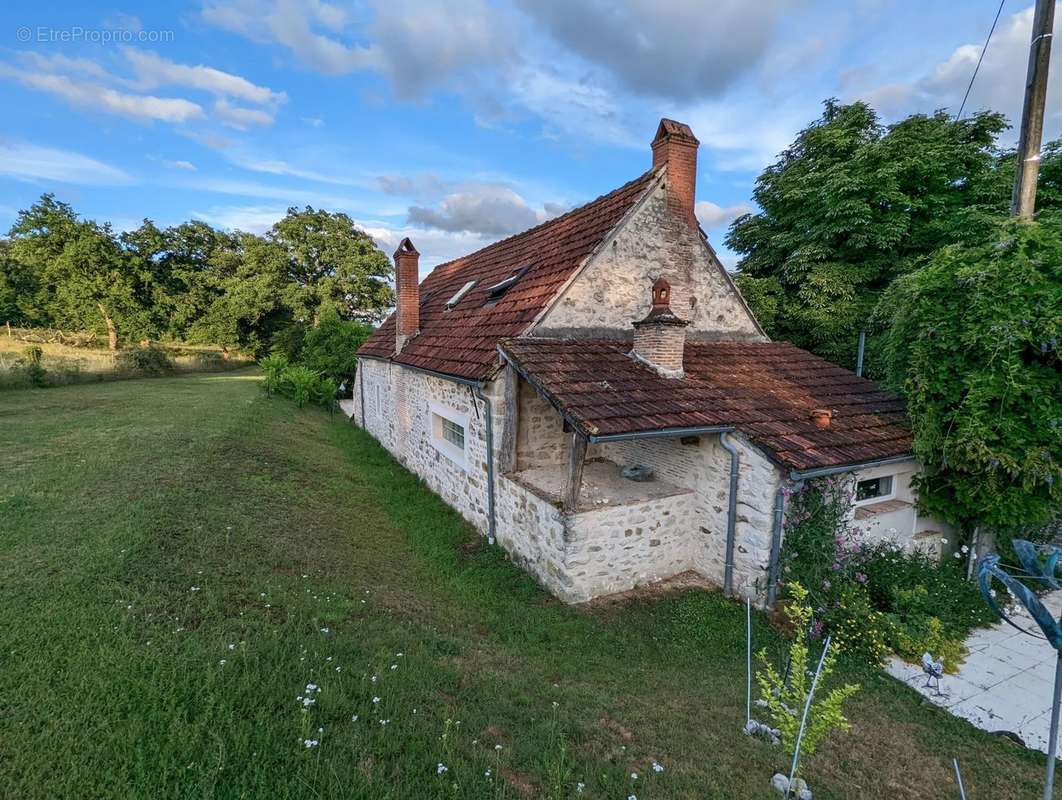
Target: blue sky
{"type": "Point", "coordinates": [459, 122]}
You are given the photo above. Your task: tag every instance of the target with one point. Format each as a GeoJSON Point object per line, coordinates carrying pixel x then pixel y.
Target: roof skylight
{"type": "Point", "coordinates": [501, 287]}
{"type": "Point", "coordinates": [453, 301]}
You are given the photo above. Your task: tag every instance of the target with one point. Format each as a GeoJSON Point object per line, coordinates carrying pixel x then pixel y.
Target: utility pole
{"type": "Point", "coordinates": [1023, 202]}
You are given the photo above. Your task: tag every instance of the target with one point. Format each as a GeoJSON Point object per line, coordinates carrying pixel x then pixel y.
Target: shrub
{"type": "Point", "coordinates": [301, 384]}
{"type": "Point", "coordinates": [274, 367]}
{"type": "Point", "coordinates": [149, 360]}
{"type": "Point", "coordinates": [31, 365]}
{"type": "Point", "coordinates": [784, 695]}
{"type": "Point", "coordinates": [329, 349]}
{"type": "Point", "coordinates": [880, 597]}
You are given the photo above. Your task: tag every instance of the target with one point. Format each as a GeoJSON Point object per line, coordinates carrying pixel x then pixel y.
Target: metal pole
{"type": "Point", "coordinates": [1052, 747]}
{"type": "Point", "coordinates": [859, 353]}
{"type": "Point", "coordinates": [748, 661]}
{"type": "Point", "coordinates": [807, 707]}
{"type": "Point", "coordinates": [958, 777]}
{"type": "Point", "coordinates": [1023, 201]}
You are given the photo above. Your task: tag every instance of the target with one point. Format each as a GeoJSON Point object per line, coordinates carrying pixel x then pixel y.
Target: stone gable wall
{"type": "Point", "coordinates": [613, 289]}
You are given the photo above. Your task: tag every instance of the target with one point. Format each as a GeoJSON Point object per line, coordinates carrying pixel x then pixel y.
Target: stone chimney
{"type": "Point", "coordinates": [407, 291]}
{"type": "Point", "coordinates": [659, 339]}
{"type": "Point", "coordinates": [676, 146]}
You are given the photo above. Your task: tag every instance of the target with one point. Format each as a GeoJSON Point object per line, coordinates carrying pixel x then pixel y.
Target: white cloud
{"type": "Point", "coordinates": [96, 97]}
{"type": "Point", "coordinates": [153, 71]}
{"type": "Point", "coordinates": [712, 215]}
{"type": "Point", "coordinates": [31, 162]}
{"type": "Point", "coordinates": [252, 219]}
{"type": "Point", "coordinates": [180, 164]}
{"type": "Point", "coordinates": [999, 86]}
{"type": "Point", "coordinates": [240, 117]}
{"type": "Point", "coordinates": [489, 209]}
{"type": "Point", "coordinates": [415, 45]}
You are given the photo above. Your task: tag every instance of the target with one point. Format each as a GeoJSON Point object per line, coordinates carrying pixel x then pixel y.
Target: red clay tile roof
{"type": "Point", "coordinates": [766, 390]}
{"type": "Point", "coordinates": [463, 342]}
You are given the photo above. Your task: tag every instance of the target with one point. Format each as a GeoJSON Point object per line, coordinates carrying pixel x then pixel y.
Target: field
{"type": "Point", "coordinates": [83, 358]}
{"type": "Point", "coordinates": [207, 593]}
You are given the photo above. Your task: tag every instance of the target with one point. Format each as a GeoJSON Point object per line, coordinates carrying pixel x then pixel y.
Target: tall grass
{"type": "Point", "coordinates": [75, 358]}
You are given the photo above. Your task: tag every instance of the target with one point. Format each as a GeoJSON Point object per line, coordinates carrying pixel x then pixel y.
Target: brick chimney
{"type": "Point", "coordinates": [407, 291]}
{"type": "Point", "coordinates": [676, 146]}
{"type": "Point", "coordinates": [660, 338]}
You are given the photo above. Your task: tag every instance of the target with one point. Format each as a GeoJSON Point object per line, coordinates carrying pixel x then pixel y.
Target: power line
{"type": "Point", "coordinates": [973, 77]}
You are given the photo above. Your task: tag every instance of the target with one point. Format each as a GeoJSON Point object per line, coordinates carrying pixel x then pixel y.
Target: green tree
{"type": "Point", "coordinates": [850, 206]}
{"type": "Point", "coordinates": [14, 286]}
{"type": "Point", "coordinates": [329, 349]}
{"type": "Point", "coordinates": [84, 280]}
{"type": "Point", "coordinates": [331, 263]}
{"type": "Point", "coordinates": [973, 345]}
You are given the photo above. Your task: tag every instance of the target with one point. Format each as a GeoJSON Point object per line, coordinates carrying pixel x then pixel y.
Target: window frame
{"type": "Point", "coordinates": [437, 413]}
{"type": "Point", "coordinates": [880, 498]}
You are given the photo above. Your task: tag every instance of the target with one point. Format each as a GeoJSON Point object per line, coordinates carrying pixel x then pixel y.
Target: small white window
{"type": "Point", "coordinates": [453, 433]}
{"type": "Point", "coordinates": [874, 489]}
{"type": "Point", "coordinates": [453, 301]}
{"type": "Point", "coordinates": [448, 432]}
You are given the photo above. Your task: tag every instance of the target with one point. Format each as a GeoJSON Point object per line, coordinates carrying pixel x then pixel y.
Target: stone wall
{"type": "Point", "coordinates": [704, 467]}
{"type": "Point", "coordinates": [616, 548]}
{"type": "Point", "coordinates": [614, 289]}
{"type": "Point", "coordinates": [541, 440]}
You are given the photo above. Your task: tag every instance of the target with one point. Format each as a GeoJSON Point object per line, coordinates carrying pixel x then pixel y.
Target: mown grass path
{"type": "Point", "coordinates": [180, 558]}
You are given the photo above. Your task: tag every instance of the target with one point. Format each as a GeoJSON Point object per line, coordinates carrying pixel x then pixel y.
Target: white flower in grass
{"type": "Point", "coordinates": [307, 702]}
{"type": "Point", "coordinates": [497, 747]}
{"type": "Point", "coordinates": [964, 549]}
{"type": "Point", "coordinates": [310, 743]}
{"type": "Point", "coordinates": [195, 588]}
{"type": "Point", "coordinates": [384, 721]}
{"type": "Point", "coordinates": [326, 630]}
{"type": "Point", "coordinates": [487, 773]}
{"type": "Point", "coordinates": [329, 658]}
{"type": "Point", "coordinates": [373, 679]}
{"type": "Point", "coordinates": [441, 768]}
{"type": "Point", "coordinates": [222, 662]}
{"type": "Point", "coordinates": [658, 767]}
{"type": "Point", "coordinates": [312, 687]}
{"type": "Point", "coordinates": [232, 647]}
{"type": "Point", "coordinates": [632, 797]}
{"type": "Point", "coordinates": [261, 594]}
{"type": "Point", "coordinates": [339, 669]}
{"type": "Point", "coordinates": [579, 787]}
{"type": "Point", "coordinates": [634, 776]}
{"type": "Point", "coordinates": [394, 666]}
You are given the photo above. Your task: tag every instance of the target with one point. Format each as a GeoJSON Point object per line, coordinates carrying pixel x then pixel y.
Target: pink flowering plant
{"type": "Point", "coordinates": [873, 598]}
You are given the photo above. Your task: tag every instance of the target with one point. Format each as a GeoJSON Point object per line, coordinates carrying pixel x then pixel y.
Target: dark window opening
{"type": "Point", "coordinates": [501, 287]}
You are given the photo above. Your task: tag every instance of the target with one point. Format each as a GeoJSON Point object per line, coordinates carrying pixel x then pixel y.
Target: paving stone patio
{"type": "Point", "coordinates": [1004, 684]}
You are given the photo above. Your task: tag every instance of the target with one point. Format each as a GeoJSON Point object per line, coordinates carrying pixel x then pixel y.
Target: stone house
{"type": "Point", "coordinates": [525, 383]}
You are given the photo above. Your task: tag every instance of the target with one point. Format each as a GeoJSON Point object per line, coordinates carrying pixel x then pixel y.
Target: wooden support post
{"type": "Point", "coordinates": [507, 460]}
{"type": "Point", "coordinates": [1023, 202]}
{"type": "Point", "coordinates": [576, 457]}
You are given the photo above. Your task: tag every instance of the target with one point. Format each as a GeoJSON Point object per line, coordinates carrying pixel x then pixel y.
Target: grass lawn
{"type": "Point", "coordinates": [180, 558]}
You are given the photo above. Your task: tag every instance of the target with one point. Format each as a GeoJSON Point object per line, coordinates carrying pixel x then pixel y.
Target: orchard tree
{"type": "Point", "coordinates": [332, 263]}
{"type": "Point", "coordinates": [973, 344]}
{"type": "Point", "coordinates": [850, 206]}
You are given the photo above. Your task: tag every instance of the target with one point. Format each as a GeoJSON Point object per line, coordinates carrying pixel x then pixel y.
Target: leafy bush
{"type": "Point", "coordinates": [784, 694]}
{"type": "Point", "coordinates": [874, 598]}
{"type": "Point", "coordinates": [150, 360]}
{"type": "Point", "coordinates": [300, 384]}
{"type": "Point", "coordinates": [274, 367]}
{"type": "Point", "coordinates": [31, 365]}
{"type": "Point", "coordinates": [329, 349]}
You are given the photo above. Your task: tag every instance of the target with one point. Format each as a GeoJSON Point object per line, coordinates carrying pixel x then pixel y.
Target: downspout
{"type": "Point", "coordinates": [776, 544]}
{"type": "Point", "coordinates": [731, 515]}
{"type": "Point", "coordinates": [361, 392]}
{"type": "Point", "coordinates": [488, 412]}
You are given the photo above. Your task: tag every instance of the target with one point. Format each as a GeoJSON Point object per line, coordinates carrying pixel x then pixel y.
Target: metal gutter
{"type": "Point", "coordinates": [731, 514]}
{"type": "Point", "coordinates": [663, 433]}
{"type": "Point", "coordinates": [776, 545]}
{"type": "Point", "coordinates": [804, 475]}
{"type": "Point", "coordinates": [361, 392]}
{"type": "Point", "coordinates": [489, 416]}
{"type": "Point", "coordinates": [433, 373]}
